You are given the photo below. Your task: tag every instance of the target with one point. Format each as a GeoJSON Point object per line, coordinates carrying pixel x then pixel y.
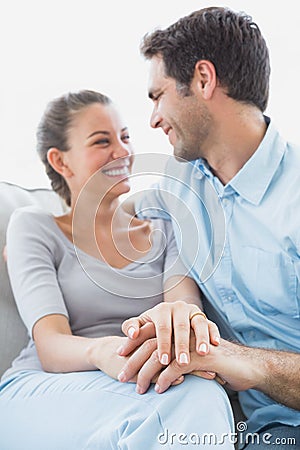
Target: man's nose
{"type": "Point", "coordinates": [155, 119]}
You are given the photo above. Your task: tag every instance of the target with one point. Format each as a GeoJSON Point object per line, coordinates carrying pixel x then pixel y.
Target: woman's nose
{"type": "Point", "coordinates": [121, 151]}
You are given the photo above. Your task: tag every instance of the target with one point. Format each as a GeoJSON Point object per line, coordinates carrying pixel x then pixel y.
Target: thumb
{"type": "Point", "coordinates": [131, 327]}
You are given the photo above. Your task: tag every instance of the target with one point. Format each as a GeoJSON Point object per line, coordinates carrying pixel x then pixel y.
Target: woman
{"type": "Point", "coordinates": [75, 279]}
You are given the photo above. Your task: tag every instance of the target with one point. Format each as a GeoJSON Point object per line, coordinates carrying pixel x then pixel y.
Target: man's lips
{"type": "Point", "coordinates": [166, 130]}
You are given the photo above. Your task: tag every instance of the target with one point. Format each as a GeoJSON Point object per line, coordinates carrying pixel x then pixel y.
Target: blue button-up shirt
{"type": "Point", "coordinates": [241, 243]}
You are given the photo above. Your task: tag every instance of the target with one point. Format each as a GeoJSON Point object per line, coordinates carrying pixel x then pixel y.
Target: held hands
{"type": "Point", "coordinates": [103, 354]}
{"type": "Point", "coordinates": [166, 321]}
{"type": "Point", "coordinates": [238, 367]}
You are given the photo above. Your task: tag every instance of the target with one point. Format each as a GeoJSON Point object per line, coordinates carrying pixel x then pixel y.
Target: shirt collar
{"type": "Point", "coordinates": [253, 179]}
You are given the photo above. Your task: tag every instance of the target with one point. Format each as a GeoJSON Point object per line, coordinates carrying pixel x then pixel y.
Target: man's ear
{"type": "Point", "coordinates": [205, 78]}
{"type": "Point", "coordinates": [56, 159]}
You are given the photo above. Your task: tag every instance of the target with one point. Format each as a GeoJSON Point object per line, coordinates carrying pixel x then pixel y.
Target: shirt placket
{"type": "Point", "coordinates": [230, 303]}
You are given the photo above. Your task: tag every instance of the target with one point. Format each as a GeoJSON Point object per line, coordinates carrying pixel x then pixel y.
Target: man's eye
{"type": "Point", "coordinates": [156, 97]}
{"type": "Point", "coordinates": [126, 138]}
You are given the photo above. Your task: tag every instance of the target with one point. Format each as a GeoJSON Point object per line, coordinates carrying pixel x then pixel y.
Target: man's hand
{"type": "Point", "coordinates": [144, 367]}
{"type": "Point", "coordinates": [274, 372]}
{"type": "Point", "coordinates": [239, 367]}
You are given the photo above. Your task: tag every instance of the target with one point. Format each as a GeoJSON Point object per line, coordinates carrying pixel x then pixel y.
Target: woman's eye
{"type": "Point", "coordinates": [101, 142]}
{"type": "Point", "coordinates": [126, 138]}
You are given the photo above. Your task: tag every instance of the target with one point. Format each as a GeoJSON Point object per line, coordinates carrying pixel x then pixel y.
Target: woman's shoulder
{"type": "Point", "coordinates": [30, 217]}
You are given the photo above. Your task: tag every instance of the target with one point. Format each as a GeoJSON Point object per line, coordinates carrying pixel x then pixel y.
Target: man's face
{"type": "Point", "coordinates": [184, 118]}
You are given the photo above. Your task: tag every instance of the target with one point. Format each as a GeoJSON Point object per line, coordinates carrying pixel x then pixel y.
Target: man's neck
{"type": "Point", "coordinates": [238, 137]}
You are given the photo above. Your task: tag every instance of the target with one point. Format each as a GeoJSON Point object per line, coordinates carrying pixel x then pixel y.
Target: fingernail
{"type": "Point", "coordinates": [203, 348]}
{"type": "Point", "coordinates": [164, 358]}
{"type": "Point", "coordinates": [130, 332]}
{"type": "Point", "coordinates": [183, 358]}
{"type": "Point", "coordinates": [121, 376]}
{"type": "Point", "coordinates": [157, 388]}
{"type": "Point", "coordinates": [217, 339]}
{"type": "Point", "coordinates": [120, 350]}
{"type": "Point", "coordinates": [211, 373]}
{"type": "Point", "coordinates": [139, 390]}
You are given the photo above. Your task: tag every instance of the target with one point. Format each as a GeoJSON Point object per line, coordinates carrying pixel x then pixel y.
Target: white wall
{"type": "Point", "coordinates": [49, 47]}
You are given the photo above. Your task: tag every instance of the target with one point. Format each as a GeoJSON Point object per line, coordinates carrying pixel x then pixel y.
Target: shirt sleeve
{"type": "Point", "coordinates": [173, 264]}
{"type": "Point", "coordinates": [32, 267]}
{"type": "Point", "coordinates": [151, 204]}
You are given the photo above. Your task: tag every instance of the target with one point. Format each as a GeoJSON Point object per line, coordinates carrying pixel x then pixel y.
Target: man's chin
{"type": "Point", "coordinates": [181, 155]}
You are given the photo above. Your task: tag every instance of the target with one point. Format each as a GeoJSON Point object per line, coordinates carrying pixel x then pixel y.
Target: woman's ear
{"type": "Point", "coordinates": [56, 159]}
{"type": "Point", "coordinates": [205, 78]}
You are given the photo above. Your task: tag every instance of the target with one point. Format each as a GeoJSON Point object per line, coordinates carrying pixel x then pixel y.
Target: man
{"type": "Point", "coordinates": [209, 83]}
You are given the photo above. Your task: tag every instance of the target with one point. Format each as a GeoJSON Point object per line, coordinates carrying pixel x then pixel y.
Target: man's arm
{"type": "Point", "coordinates": [276, 373]}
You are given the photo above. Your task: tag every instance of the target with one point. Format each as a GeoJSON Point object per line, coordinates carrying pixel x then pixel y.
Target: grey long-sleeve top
{"type": "Point", "coordinates": [49, 275]}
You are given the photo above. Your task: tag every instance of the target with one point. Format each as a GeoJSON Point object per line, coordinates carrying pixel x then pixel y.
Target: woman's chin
{"type": "Point", "coordinates": [121, 187]}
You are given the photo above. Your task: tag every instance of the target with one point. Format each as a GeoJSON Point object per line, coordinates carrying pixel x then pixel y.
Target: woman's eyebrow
{"type": "Point", "coordinates": [104, 132]}
{"type": "Point", "coordinates": [98, 132]}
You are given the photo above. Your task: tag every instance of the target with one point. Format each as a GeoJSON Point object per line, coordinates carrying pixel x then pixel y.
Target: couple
{"type": "Point", "coordinates": [78, 277]}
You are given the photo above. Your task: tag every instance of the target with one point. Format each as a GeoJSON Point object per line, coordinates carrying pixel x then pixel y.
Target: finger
{"type": "Point", "coordinates": [204, 374]}
{"type": "Point", "coordinates": [214, 333]}
{"type": "Point", "coordinates": [163, 327]}
{"type": "Point", "coordinates": [178, 381]}
{"type": "Point", "coordinates": [148, 372]}
{"type": "Point", "coordinates": [199, 323]}
{"type": "Point", "coordinates": [170, 374]}
{"type": "Point", "coordinates": [129, 345]}
{"type": "Point", "coordinates": [131, 327]}
{"type": "Point", "coordinates": [209, 376]}
{"type": "Point", "coordinates": [181, 327]}
{"type": "Point", "coordinates": [137, 360]}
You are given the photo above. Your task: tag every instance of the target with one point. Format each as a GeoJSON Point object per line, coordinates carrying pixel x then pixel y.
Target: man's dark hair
{"type": "Point", "coordinates": [230, 40]}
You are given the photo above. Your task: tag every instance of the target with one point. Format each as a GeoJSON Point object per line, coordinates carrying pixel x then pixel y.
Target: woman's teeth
{"type": "Point", "coordinates": [116, 172]}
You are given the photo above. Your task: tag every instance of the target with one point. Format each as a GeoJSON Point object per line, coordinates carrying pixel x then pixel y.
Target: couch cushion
{"type": "Point", "coordinates": [13, 335]}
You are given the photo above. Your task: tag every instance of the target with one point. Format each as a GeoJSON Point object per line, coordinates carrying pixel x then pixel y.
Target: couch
{"type": "Point", "coordinates": [13, 335]}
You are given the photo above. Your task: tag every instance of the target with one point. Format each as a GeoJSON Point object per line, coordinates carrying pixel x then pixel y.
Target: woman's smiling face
{"type": "Point", "coordinates": [99, 142]}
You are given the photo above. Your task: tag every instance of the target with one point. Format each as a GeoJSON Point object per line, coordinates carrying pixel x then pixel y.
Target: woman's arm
{"type": "Point", "coordinates": [60, 351]}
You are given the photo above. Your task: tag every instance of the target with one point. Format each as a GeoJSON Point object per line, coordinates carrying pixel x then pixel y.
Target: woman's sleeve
{"type": "Point", "coordinates": [32, 267]}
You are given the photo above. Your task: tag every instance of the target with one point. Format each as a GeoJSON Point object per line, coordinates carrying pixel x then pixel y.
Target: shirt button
{"type": "Point", "coordinates": [229, 298]}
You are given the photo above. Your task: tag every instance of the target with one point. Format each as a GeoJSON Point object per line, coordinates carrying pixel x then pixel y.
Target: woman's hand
{"type": "Point", "coordinates": [168, 322]}
{"type": "Point", "coordinates": [102, 353]}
